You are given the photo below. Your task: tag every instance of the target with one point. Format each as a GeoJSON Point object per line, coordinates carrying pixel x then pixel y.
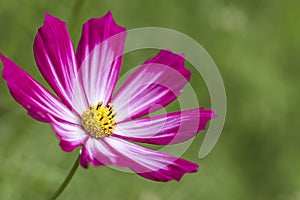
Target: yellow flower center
{"type": "Point", "coordinates": [99, 121]}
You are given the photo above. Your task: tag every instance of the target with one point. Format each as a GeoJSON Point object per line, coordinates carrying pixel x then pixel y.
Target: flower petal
{"type": "Point", "coordinates": [40, 103]}
{"type": "Point", "coordinates": [158, 81]}
{"type": "Point", "coordinates": [99, 56]}
{"type": "Point", "coordinates": [86, 157]}
{"type": "Point", "coordinates": [98, 153]}
{"type": "Point", "coordinates": [148, 163]}
{"type": "Point", "coordinates": [171, 128]}
{"type": "Point", "coordinates": [71, 135]}
{"type": "Point", "coordinates": [55, 57]}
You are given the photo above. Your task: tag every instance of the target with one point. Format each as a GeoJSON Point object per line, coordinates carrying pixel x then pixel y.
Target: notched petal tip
{"type": "Point", "coordinates": [49, 21]}
{"type": "Point", "coordinates": [182, 55]}
{"type": "Point", "coordinates": [110, 22]}
{"type": "Point", "coordinates": [3, 60]}
{"type": "Point", "coordinates": [211, 113]}
{"type": "Point", "coordinates": [205, 117]}
{"type": "Point", "coordinates": [174, 171]}
{"type": "Point", "coordinates": [191, 167]}
{"type": "Point", "coordinates": [169, 58]}
{"type": "Point", "coordinates": [95, 31]}
{"type": "Point", "coordinates": [2, 56]}
{"type": "Point", "coordinates": [110, 17]}
{"type": "Point", "coordinates": [106, 20]}
{"type": "Point", "coordinates": [49, 17]}
{"type": "Point", "coordinates": [7, 63]}
{"type": "Point", "coordinates": [214, 115]}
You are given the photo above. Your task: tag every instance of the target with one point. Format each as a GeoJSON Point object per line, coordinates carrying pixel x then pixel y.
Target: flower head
{"type": "Point", "coordinates": [86, 113]}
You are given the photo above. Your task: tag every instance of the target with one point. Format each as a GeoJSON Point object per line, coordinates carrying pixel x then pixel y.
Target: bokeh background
{"type": "Point", "coordinates": [254, 43]}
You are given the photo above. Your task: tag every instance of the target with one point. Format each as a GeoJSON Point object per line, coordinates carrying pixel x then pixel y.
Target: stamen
{"type": "Point", "coordinates": [99, 105]}
{"type": "Point", "coordinates": [99, 121]}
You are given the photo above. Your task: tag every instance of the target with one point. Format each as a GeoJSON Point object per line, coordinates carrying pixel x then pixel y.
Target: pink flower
{"type": "Point", "coordinates": [86, 113]}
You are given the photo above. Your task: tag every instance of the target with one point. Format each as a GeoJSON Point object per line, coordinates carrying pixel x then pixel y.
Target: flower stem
{"type": "Point", "coordinates": [67, 180]}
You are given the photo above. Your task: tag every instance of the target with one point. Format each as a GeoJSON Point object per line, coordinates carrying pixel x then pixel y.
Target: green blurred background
{"type": "Point", "coordinates": [254, 43]}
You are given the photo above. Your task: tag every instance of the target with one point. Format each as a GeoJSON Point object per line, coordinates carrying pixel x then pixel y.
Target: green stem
{"type": "Point", "coordinates": [74, 18]}
{"type": "Point", "coordinates": [67, 180]}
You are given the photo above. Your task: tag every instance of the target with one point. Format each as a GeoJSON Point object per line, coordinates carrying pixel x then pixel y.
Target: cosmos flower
{"type": "Point", "coordinates": [85, 113]}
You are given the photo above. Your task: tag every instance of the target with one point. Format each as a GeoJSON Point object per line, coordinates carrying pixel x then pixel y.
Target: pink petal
{"type": "Point", "coordinates": [158, 81]}
{"type": "Point", "coordinates": [85, 158]}
{"type": "Point", "coordinates": [71, 135]}
{"type": "Point", "coordinates": [34, 97]}
{"type": "Point", "coordinates": [171, 128]}
{"type": "Point", "coordinates": [98, 153]}
{"type": "Point", "coordinates": [99, 56]}
{"type": "Point", "coordinates": [148, 163]}
{"type": "Point", "coordinates": [55, 57]}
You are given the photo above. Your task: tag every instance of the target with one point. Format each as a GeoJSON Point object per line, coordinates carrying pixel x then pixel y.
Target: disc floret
{"type": "Point", "coordinates": [98, 121]}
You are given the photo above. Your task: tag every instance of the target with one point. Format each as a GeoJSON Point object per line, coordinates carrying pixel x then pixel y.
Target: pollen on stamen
{"type": "Point", "coordinates": [99, 121]}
